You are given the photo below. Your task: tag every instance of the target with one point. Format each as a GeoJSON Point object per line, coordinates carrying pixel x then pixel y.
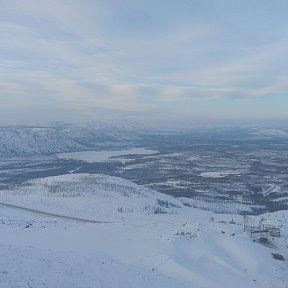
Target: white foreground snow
{"type": "Point", "coordinates": [181, 248]}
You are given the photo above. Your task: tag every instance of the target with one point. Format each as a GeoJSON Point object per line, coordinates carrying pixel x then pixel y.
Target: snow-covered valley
{"type": "Point", "coordinates": [143, 144]}
{"type": "Point", "coordinates": [233, 173]}
{"type": "Point", "coordinates": [148, 239]}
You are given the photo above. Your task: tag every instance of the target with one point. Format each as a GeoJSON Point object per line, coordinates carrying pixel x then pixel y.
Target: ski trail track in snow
{"type": "Point", "coordinates": [64, 217]}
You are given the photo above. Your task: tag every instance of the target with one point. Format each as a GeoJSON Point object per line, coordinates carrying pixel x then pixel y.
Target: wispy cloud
{"type": "Point", "coordinates": [135, 58]}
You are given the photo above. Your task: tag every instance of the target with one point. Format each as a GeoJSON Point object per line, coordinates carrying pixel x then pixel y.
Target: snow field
{"type": "Point", "coordinates": [181, 248]}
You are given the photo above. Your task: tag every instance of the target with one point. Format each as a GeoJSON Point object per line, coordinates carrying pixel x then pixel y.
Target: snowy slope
{"type": "Point", "coordinates": [31, 141]}
{"type": "Point", "coordinates": [90, 196]}
{"type": "Point", "coordinates": [104, 131]}
{"type": "Point", "coordinates": [138, 248]}
{"type": "Point", "coordinates": [50, 140]}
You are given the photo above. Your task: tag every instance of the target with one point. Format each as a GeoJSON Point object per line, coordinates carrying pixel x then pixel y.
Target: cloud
{"type": "Point", "coordinates": [136, 58]}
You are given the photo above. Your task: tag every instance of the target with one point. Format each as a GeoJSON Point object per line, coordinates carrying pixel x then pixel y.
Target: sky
{"type": "Point", "coordinates": [181, 62]}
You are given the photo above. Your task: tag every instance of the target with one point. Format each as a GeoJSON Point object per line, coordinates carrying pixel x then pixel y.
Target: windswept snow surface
{"type": "Point", "coordinates": [140, 247]}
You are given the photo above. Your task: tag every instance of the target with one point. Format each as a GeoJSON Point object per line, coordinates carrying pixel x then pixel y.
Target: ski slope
{"type": "Point", "coordinates": [153, 240]}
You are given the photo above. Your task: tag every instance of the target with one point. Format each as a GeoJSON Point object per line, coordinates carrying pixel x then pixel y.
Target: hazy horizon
{"type": "Point", "coordinates": [173, 126]}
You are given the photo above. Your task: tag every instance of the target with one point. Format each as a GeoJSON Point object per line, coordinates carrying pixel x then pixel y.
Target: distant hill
{"type": "Point", "coordinates": [29, 140]}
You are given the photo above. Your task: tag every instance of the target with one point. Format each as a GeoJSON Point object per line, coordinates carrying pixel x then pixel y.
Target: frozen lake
{"type": "Point", "coordinates": [106, 155]}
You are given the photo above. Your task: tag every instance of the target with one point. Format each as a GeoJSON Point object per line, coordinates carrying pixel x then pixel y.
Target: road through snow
{"type": "Point", "coordinates": [52, 214]}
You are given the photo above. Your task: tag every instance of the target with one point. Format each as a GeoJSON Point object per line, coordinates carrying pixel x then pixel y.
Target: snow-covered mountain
{"type": "Point", "coordinates": [24, 140]}
{"type": "Point", "coordinates": [90, 196]}
{"type": "Point", "coordinates": [31, 140]}
{"type": "Point", "coordinates": [63, 137]}
{"type": "Point", "coordinates": [98, 132]}
{"type": "Point", "coordinates": [143, 239]}
{"type": "Point", "coordinates": [269, 132]}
